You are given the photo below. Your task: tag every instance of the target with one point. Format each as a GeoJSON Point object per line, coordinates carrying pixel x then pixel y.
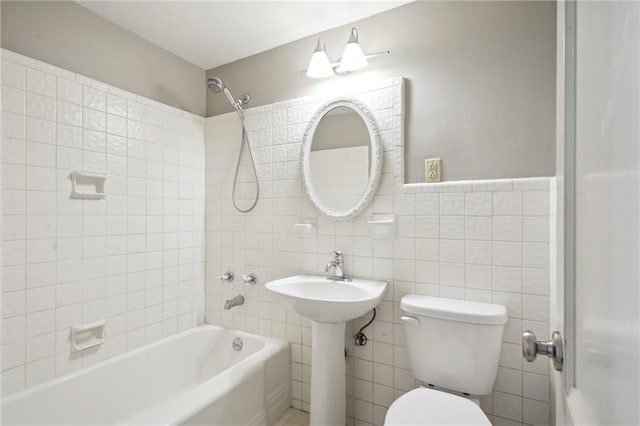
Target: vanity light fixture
{"type": "Point", "coordinates": [353, 59]}
{"type": "Point", "coordinates": [319, 66]}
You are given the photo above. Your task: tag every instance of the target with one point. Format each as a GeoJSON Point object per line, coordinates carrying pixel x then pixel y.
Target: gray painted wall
{"type": "Point", "coordinates": [481, 82]}
{"type": "Point", "coordinates": [69, 36]}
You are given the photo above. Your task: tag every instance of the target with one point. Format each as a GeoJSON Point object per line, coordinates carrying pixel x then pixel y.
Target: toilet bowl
{"type": "Point", "coordinates": [433, 407]}
{"type": "Point", "coordinates": [453, 345]}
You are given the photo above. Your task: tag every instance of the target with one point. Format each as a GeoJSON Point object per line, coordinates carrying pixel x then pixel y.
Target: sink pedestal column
{"type": "Point", "coordinates": [328, 378]}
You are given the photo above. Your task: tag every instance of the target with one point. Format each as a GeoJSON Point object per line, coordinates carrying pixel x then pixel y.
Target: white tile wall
{"type": "Point", "coordinates": [476, 240]}
{"type": "Point", "coordinates": [135, 259]}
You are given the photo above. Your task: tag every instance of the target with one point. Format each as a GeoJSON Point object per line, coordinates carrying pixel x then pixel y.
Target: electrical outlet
{"type": "Point", "coordinates": [433, 170]}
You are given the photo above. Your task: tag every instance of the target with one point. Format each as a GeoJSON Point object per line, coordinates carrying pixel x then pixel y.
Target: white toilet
{"type": "Point", "coordinates": [453, 345]}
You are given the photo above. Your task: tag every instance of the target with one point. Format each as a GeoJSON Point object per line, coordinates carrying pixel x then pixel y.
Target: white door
{"type": "Point", "coordinates": [600, 383]}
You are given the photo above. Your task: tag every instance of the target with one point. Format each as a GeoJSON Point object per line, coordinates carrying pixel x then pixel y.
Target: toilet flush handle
{"type": "Point", "coordinates": [410, 320]}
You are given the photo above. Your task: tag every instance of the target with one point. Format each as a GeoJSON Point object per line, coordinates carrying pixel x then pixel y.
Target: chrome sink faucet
{"type": "Point", "coordinates": [335, 266]}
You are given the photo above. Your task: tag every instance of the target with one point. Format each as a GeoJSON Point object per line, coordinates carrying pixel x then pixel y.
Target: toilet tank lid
{"type": "Point", "coordinates": [454, 310]}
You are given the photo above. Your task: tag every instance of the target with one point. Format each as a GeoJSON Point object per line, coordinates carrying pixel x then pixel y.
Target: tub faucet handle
{"type": "Point", "coordinates": [250, 279]}
{"type": "Point", "coordinates": [227, 276]}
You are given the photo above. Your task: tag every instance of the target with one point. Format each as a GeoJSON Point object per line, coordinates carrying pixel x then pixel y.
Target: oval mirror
{"type": "Point", "coordinates": [341, 158]}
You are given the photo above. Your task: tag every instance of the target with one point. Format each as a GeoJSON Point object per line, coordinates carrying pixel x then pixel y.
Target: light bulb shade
{"type": "Point", "coordinates": [353, 58]}
{"type": "Point", "coordinates": [319, 66]}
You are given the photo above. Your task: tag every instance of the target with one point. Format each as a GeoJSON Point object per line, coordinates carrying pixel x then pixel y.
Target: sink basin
{"type": "Point", "coordinates": [324, 300]}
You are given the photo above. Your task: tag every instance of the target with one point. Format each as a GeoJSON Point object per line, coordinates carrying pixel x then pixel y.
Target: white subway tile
{"type": "Point", "coordinates": [427, 204]}
{"type": "Point", "coordinates": [427, 226]}
{"type": "Point", "coordinates": [38, 130]}
{"type": "Point", "coordinates": [478, 228]}
{"type": "Point", "coordinates": [507, 203]}
{"type": "Point", "coordinates": [535, 281]}
{"type": "Point", "coordinates": [451, 204]}
{"type": "Point", "coordinates": [40, 106]}
{"type": "Point", "coordinates": [13, 125]}
{"type": "Point", "coordinates": [40, 371]}
{"type": "Point", "coordinates": [478, 252]}
{"type": "Point", "coordinates": [507, 253]}
{"type": "Point", "coordinates": [507, 228]}
{"type": "Point", "coordinates": [452, 274]}
{"type": "Point", "coordinates": [41, 83]}
{"type": "Point", "coordinates": [535, 307]}
{"type": "Point", "coordinates": [13, 380]}
{"type": "Point", "coordinates": [94, 98]}
{"type": "Point", "coordinates": [13, 304]}
{"type": "Point", "coordinates": [535, 386]}
{"type": "Point", "coordinates": [507, 405]}
{"type": "Point", "coordinates": [452, 227]}
{"type": "Point", "coordinates": [536, 203]}
{"type": "Point", "coordinates": [452, 251]}
{"type": "Point", "coordinates": [478, 204]}
{"type": "Point", "coordinates": [509, 380]}
{"type": "Point", "coordinates": [93, 119]}
{"type": "Point", "coordinates": [535, 229]}
{"type": "Point", "coordinates": [13, 355]}
{"type": "Point", "coordinates": [535, 255]}
{"type": "Point", "coordinates": [68, 113]}
{"type": "Point", "coordinates": [14, 75]}
{"type": "Point", "coordinates": [535, 413]}
{"type": "Point", "coordinates": [477, 276]}
{"type": "Point", "coordinates": [40, 347]}
{"type": "Point", "coordinates": [69, 91]}
{"type": "Point", "coordinates": [14, 100]}
{"type": "Point", "coordinates": [507, 279]}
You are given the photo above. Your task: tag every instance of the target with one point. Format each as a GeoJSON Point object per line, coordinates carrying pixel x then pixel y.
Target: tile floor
{"type": "Point", "coordinates": [293, 417]}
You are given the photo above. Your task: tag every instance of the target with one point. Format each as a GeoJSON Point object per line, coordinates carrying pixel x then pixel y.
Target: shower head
{"type": "Point", "coordinates": [215, 84]}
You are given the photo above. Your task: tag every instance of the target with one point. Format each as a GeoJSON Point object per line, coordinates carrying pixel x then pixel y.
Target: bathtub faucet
{"type": "Point", "coordinates": [234, 301]}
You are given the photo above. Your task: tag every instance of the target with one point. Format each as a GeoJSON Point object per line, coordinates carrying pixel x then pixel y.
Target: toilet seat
{"type": "Point", "coordinates": [423, 407]}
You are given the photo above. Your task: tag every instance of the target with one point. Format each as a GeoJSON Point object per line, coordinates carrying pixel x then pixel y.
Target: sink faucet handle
{"type": "Point", "coordinates": [337, 255]}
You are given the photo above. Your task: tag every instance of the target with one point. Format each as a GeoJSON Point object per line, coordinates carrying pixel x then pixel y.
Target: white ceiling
{"type": "Point", "coordinates": [213, 33]}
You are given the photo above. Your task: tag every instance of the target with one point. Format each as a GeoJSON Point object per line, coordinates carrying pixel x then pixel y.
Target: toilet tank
{"type": "Point", "coordinates": [454, 344]}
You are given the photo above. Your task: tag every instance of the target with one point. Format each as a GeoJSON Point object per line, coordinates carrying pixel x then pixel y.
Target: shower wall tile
{"type": "Point", "coordinates": [135, 258]}
{"type": "Point", "coordinates": [474, 240]}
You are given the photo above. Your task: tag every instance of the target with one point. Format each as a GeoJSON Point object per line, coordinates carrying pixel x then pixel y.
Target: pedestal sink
{"type": "Point", "coordinates": [328, 304]}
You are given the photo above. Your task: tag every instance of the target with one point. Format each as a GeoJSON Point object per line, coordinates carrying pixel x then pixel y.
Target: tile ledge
{"type": "Point", "coordinates": [480, 185]}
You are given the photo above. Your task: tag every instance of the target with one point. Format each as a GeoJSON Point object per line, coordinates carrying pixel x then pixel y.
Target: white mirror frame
{"type": "Point", "coordinates": [376, 157]}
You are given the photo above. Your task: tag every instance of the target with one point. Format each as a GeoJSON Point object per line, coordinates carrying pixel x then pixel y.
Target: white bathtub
{"type": "Point", "coordinates": [192, 378]}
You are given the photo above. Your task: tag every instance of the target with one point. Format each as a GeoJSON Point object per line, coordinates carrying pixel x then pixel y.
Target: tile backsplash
{"type": "Point", "coordinates": [475, 240]}
{"type": "Point", "coordinates": [135, 258]}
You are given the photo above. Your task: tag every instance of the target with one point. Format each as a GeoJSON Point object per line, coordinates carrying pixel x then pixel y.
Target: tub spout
{"type": "Point", "coordinates": [235, 301]}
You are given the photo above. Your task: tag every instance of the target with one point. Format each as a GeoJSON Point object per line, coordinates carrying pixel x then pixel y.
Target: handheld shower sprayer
{"type": "Point", "coordinates": [217, 86]}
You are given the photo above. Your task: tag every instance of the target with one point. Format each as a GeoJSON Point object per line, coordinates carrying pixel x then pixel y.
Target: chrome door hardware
{"type": "Point", "coordinates": [554, 349]}
{"type": "Point", "coordinates": [227, 276]}
{"type": "Point", "coordinates": [250, 279]}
